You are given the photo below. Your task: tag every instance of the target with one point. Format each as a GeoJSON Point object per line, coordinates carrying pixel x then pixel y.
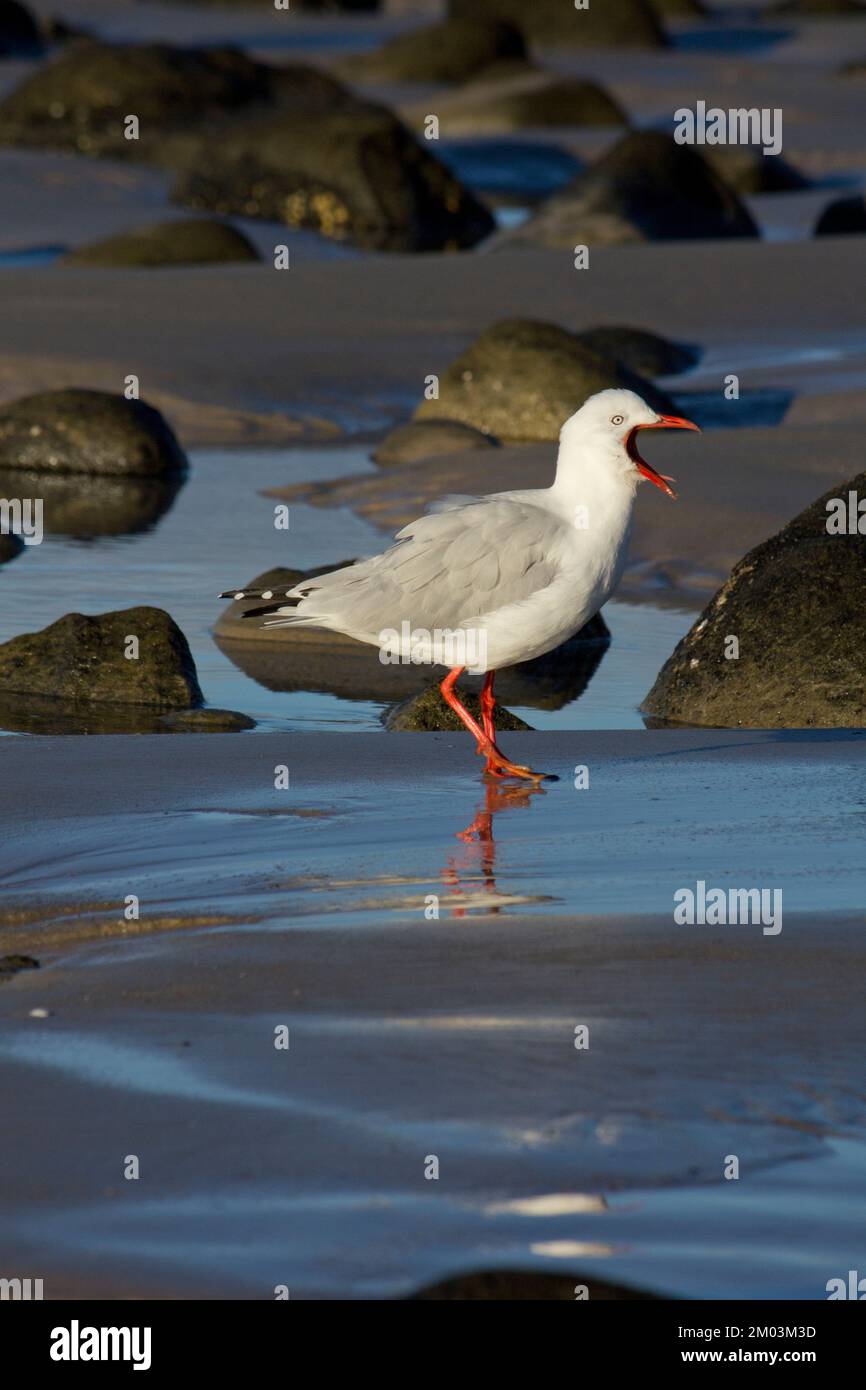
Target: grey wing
{"type": "Point", "coordinates": [453, 565]}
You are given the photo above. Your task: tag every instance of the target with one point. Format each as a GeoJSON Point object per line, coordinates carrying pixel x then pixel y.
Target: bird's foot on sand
{"type": "Point", "coordinates": [501, 767]}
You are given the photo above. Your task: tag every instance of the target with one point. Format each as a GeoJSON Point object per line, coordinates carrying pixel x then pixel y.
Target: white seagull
{"type": "Point", "coordinates": [484, 582]}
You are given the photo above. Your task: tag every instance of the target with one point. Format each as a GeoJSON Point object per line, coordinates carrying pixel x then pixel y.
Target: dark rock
{"type": "Point", "coordinates": [428, 712]}
{"type": "Point", "coordinates": [448, 52]}
{"type": "Point", "coordinates": [74, 431]}
{"type": "Point", "coordinates": [206, 721]}
{"type": "Point", "coordinates": [10, 965]}
{"type": "Point", "coordinates": [86, 505]}
{"type": "Point", "coordinates": [358, 176]}
{"type": "Point", "coordinates": [533, 99]}
{"type": "Point", "coordinates": [19, 32]}
{"type": "Point", "coordinates": [618, 23]}
{"type": "Point", "coordinates": [820, 8]}
{"type": "Point", "coordinates": [647, 188]}
{"type": "Point", "coordinates": [10, 545]}
{"type": "Point", "coordinates": [81, 100]}
{"type": "Point", "coordinates": [428, 438]}
{"type": "Point", "coordinates": [640, 351]}
{"type": "Point", "coordinates": [748, 170]}
{"type": "Point", "coordinates": [521, 380]}
{"type": "Point", "coordinates": [680, 9]}
{"type": "Point", "coordinates": [518, 1284]}
{"type": "Point", "coordinates": [845, 217]}
{"type": "Point", "coordinates": [81, 658]}
{"type": "Point", "coordinates": [183, 241]}
{"type": "Point", "coordinates": [797, 606]}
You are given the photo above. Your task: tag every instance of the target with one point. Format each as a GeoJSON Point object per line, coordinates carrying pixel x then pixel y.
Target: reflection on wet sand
{"type": "Point", "coordinates": [470, 876]}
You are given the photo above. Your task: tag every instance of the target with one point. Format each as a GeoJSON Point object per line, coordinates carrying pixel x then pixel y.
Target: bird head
{"type": "Point", "coordinates": [608, 424]}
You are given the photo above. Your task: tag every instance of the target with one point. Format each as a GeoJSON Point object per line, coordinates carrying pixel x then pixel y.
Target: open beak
{"type": "Point", "coordinates": [664, 422]}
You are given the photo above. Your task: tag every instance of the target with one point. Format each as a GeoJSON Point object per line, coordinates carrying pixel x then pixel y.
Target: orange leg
{"type": "Point", "coordinates": [497, 764]}
{"type": "Point", "coordinates": [488, 705]}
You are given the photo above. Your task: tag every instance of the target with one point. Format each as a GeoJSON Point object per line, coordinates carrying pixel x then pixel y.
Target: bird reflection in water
{"type": "Point", "coordinates": [470, 875]}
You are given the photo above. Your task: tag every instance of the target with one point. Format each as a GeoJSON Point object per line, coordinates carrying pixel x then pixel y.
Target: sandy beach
{"type": "Point", "coordinates": [433, 942]}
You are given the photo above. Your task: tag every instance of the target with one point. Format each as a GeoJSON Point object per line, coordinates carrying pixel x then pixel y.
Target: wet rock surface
{"type": "Point", "coordinates": [81, 659]}
{"type": "Point", "coordinates": [521, 380]}
{"type": "Point", "coordinates": [628, 23]}
{"type": "Point", "coordinates": [451, 51]}
{"type": "Point", "coordinates": [206, 721]}
{"type": "Point", "coordinates": [427, 439]}
{"type": "Point", "coordinates": [504, 100]}
{"type": "Point", "coordinates": [355, 176]}
{"type": "Point", "coordinates": [428, 712]}
{"type": "Point", "coordinates": [77, 431]}
{"type": "Point", "coordinates": [844, 217]}
{"type": "Point", "coordinates": [179, 241]}
{"type": "Point", "coordinates": [796, 606]}
{"type": "Point", "coordinates": [647, 188]}
{"type": "Point", "coordinates": [20, 36]}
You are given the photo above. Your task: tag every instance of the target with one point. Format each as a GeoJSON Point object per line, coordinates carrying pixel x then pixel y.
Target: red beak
{"type": "Point", "coordinates": [664, 422]}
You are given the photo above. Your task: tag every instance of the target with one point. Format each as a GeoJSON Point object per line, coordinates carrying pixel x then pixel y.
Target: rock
{"type": "Point", "coordinates": [530, 99]}
{"type": "Point", "coordinates": [206, 721]}
{"type": "Point", "coordinates": [428, 711]}
{"type": "Point", "coordinates": [618, 23]}
{"type": "Point", "coordinates": [749, 170]}
{"type": "Point", "coordinates": [797, 606]}
{"type": "Point", "coordinates": [510, 1285]}
{"type": "Point", "coordinates": [183, 241]}
{"type": "Point", "coordinates": [820, 8]}
{"type": "Point", "coordinates": [680, 9]}
{"type": "Point", "coordinates": [521, 380]}
{"type": "Point", "coordinates": [20, 36]}
{"type": "Point", "coordinates": [358, 176]}
{"type": "Point", "coordinates": [428, 438]}
{"type": "Point", "coordinates": [10, 545]}
{"type": "Point", "coordinates": [279, 580]}
{"type": "Point", "coordinates": [451, 51]}
{"type": "Point", "coordinates": [75, 431]}
{"type": "Point", "coordinates": [647, 188]}
{"type": "Point", "coordinates": [640, 351]}
{"type": "Point", "coordinates": [81, 659]}
{"type": "Point", "coordinates": [85, 506]}
{"type": "Point", "coordinates": [845, 217]}
{"type": "Point", "coordinates": [10, 965]}
{"type": "Point", "coordinates": [80, 101]}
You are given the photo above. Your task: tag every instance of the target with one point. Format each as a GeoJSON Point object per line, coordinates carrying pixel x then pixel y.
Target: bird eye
{"type": "Point", "coordinates": [617, 419]}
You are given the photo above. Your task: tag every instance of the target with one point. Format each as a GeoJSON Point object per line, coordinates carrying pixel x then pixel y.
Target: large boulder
{"type": "Point", "coordinates": [617, 23]}
{"type": "Point", "coordinates": [76, 431]}
{"type": "Point", "coordinates": [452, 51]}
{"type": "Point", "coordinates": [359, 177]}
{"type": "Point", "coordinates": [180, 241]}
{"type": "Point", "coordinates": [639, 350]}
{"type": "Point", "coordinates": [81, 100]}
{"type": "Point", "coordinates": [528, 99]}
{"type": "Point", "coordinates": [844, 217]}
{"type": "Point", "coordinates": [20, 36]}
{"type": "Point", "coordinates": [428, 712]}
{"type": "Point", "coordinates": [80, 659]}
{"type": "Point", "coordinates": [647, 188]}
{"type": "Point", "coordinates": [797, 608]}
{"type": "Point", "coordinates": [521, 380]}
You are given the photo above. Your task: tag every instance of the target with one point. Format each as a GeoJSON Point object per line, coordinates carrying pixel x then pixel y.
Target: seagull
{"type": "Point", "coordinates": [479, 583]}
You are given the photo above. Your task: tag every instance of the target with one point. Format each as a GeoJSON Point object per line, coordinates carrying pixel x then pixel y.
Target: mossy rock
{"type": "Point", "coordinates": [486, 107]}
{"type": "Point", "coordinates": [81, 100]}
{"type": "Point", "coordinates": [522, 379]}
{"type": "Point", "coordinates": [639, 350]}
{"type": "Point", "coordinates": [20, 35]}
{"type": "Point", "coordinates": [448, 52]}
{"type": "Point", "coordinates": [749, 170]}
{"type": "Point", "coordinates": [797, 607]}
{"type": "Point", "coordinates": [83, 659]}
{"type": "Point", "coordinates": [77, 431]}
{"type": "Point", "coordinates": [183, 241]}
{"type": "Point", "coordinates": [423, 439]}
{"type": "Point", "coordinates": [358, 177]}
{"type": "Point", "coordinates": [845, 217]}
{"type": "Point", "coordinates": [613, 23]}
{"type": "Point", "coordinates": [428, 712]}
{"type": "Point", "coordinates": [647, 188]}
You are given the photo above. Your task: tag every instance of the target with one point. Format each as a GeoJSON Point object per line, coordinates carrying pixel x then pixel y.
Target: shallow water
{"type": "Point", "coordinates": [216, 532]}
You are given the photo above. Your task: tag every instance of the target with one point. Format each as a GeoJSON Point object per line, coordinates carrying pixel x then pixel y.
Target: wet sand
{"type": "Point", "coordinates": [412, 1037]}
